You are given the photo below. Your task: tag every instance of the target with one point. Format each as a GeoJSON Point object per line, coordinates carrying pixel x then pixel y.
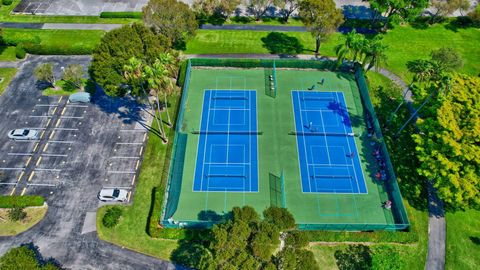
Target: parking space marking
{"type": "Point", "coordinates": [132, 130]}
{"type": "Point", "coordinates": [46, 105]}
{"type": "Point", "coordinates": [71, 117]}
{"type": "Point", "coordinates": [54, 110]}
{"type": "Point", "coordinates": [20, 176]}
{"type": "Point", "coordinates": [31, 176]}
{"type": "Point", "coordinates": [78, 106]}
{"type": "Point", "coordinates": [42, 185]}
{"type": "Point", "coordinates": [124, 157]}
{"type": "Point", "coordinates": [12, 168]}
{"type": "Point", "coordinates": [141, 150]}
{"type": "Point", "coordinates": [129, 143]}
{"type": "Point", "coordinates": [67, 142]}
{"type": "Point", "coordinates": [63, 111]}
{"type": "Point", "coordinates": [48, 122]}
{"type": "Point", "coordinates": [144, 137]}
{"type": "Point", "coordinates": [60, 99]}
{"type": "Point", "coordinates": [67, 129]}
{"type": "Point", "coordinates": [58, 122]}
{"type": "Point", "coordinates": [35, 148]}
{"type": "Point", "coordinates": [13, 191]}
{"type": "Point", "coordinates": [23, 191]}
{"type": "Point", "coordinates": [121, 172]}
{"type": "Point", "coordinates": [47, 170]}
{"type": "Point", "coordinates": [38, 161]}
{"type": "Point", "coordinates": [9, 184]}
{"type": "Point", "coordinates": [40, 116]}
{"type": "Point", "coordinates": [128, 198]}
{"type": "Point", "coordinates": [43, 132]}
{"type": "Point", "coordinates": [28, 161]}
{"type": "Point", "coordinates": [138, 163]}
{"type": "Point", "coordinates": [46, 147]}
{"type": "Point", "coordinates": [19, 154]}
{"type": "Point", "coordinates": [51, 135]}
{"type": "Point", "coordinates": [133, 179]}
{"type": "Point", "coordinates": [54, 155]}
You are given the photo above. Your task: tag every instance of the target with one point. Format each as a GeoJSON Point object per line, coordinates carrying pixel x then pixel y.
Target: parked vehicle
{"type": "Point", "coordinates": [113, 195]}
{"type": "Point", "coordinates": [81, 97]}
{"type": "Point", "coordinates": [23, 134]}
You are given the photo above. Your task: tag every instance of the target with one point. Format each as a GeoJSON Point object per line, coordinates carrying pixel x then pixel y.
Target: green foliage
{"type": "Point", "coordinates": [214, 11]}
{"type": "Point", "coordinates": [7, 2]}
{"type": "Point", "coordinates": [321, 17]}
{"type": "Point", "coordinates": [295, 259]}
{"type": "Point", "coordinates": [121, 14]}
{"type": "Point", "coordinates": [44, 73]}
{"type": "Point", "coordinates": [26, 257]}
{"type": "Point", "coordinates": [17, 214]}
{"type": "Point", "coordinates": [447, 58]}
{"type": "Point", "coordinates": [297, 239]}
{"type": "Point", "coordinates": [154, 229]}
{"type": "Point", "coordinates": [246, 214]}
{"type": "Point", "coordinates": [115, 50]}
{"type": "Point", "coordinates": [280, 217]}
{"type": "Point", "coordinates": [20, 51]}
{"type": "Point", "coordinates": [398, 10]}
{"type": "Point", "coordinates": [21, 201]}
{"type": "Point", "coordinates": [73, 76]}
{"type": "Point", "coordinates": [377, 237]}
{"type": "Point", "coordinates": [112, 217]}
{"type": "Point", "coordinates": [355, 257]}
{"type": "Point", "coordinates": [448, 143]}
{"type": "Point", "coordinates": [386, 258]}
{"type": "Point", "coordinates": [280, 43]}
{"type": "Point", "coordinates": [177, 22]}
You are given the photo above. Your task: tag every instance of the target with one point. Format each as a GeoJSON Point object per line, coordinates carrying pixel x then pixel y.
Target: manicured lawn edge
{"type": "Point", "coordinates": [34, 215]}
{"type": "Point", "coordinates": [7, 74]}
{"type": "Point", "coordinates": [21, 201]}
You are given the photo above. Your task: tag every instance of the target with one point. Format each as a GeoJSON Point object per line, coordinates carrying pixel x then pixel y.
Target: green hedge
{"type": "Point", "coordinates": [20, 51]}
{"type": "Point", "coordinates": [376, 237]}
{"type": "Point", "coordinates": [182, 71]}
{"type": "Point", "coordinates": [266, 63]}
{"type": "Point", "coordinates": [7, 2]}
{"type": "Point", "coordinates": [57, 50]}
{"type": "Point", "coordinates": [20, 201]}
{"type": "Point", "coordinates": [124, 14]}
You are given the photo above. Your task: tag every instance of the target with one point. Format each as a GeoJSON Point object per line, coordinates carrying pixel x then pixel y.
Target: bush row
{"type": "Point", "coordinates": [124, 14]}
{"type": "Point", "coordinates": [266, 63]}
{"type": "Point", "coordinates": [20, 201]}
{"type": "Point", "coordinates": [7, 2]}
{"type": "Point", "coordinates": [376, 237]}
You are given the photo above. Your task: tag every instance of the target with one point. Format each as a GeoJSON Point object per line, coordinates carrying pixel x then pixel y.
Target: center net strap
{"type": "Point", "coordinates": [228, 132]}
{"type": "Point", "coordinates": [314, 133]}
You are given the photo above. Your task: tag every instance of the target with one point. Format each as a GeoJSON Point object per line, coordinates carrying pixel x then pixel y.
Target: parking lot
{"type": "Point", "coordinates": [73, 7]}
{"type": "Point", "coordinates": [81, 148]}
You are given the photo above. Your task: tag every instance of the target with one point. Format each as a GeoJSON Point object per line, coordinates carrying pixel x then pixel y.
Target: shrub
{"type": "Point", "coordinates": [20, 51]}
{"type": "Point", "coordinates": [280, 217]}
{"type": "Point", "coordinates": [20, 201]}
{"type": "Point", "coordinates": [154, 228]}
{"type": "Point", "coordinates": [124, 14]}
{"type": "Point", "coordinates": [297, 239]}
{"type": "Point", "coordinates": [7, 2]}
{"type": "Point", "coordinates": [17, 214]}
{"type": "Point", "coordinates": [112, 216]}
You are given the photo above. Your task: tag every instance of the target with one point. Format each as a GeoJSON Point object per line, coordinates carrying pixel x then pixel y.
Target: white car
{"type": "Point", "coordinates": [113, 195]}
{"type": "Point", "coordinates": [23, 134]}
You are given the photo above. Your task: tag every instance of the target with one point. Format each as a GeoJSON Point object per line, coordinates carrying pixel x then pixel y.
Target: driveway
{"type": "Point", "coordinates": [83, 147]}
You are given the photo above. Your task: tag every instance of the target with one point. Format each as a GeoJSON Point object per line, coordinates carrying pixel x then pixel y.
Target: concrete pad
{"type": "Point", "coordinates": [90, 224]}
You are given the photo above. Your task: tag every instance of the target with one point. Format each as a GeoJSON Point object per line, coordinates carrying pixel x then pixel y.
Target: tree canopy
{"type": "Point", "coordinates": [171, 18]}
{"type": "Point", "coordinates": [448, 145]}
{"type": "Point", "coordinates": [321, 18]}
{"type": "Point", "coordinates": [26, 257]}
{"type": "Point", "coordinates": [396, 10]}
{"type": "Point", "coordinates": [115, 50]}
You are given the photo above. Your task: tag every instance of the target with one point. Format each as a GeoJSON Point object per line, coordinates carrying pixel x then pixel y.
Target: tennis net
{"type": "Point", "coordinates": [225, 176]}
{"type": "Point", "coordinates": [227, 132]}
{"type": "Point", "coordinates": [230, 98]}
{"type": "Point", "coordinates": [315, 133]}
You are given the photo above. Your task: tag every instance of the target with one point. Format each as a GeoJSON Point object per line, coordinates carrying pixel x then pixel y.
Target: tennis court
{"type": "Point", "coordinates": [227, 148]}
{"type": "Point", "coordinates": [327, 151]}
{"type": "Point", "coordinates": [256, 136]}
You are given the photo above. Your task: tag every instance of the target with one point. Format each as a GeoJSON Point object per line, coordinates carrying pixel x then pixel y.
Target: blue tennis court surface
{"type": "Point", "coordinates": [327, 152]}
{"type": "Point", "coordinates": [227, 147]}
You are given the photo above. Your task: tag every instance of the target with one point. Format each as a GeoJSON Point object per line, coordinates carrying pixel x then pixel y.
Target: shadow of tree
{"type": "Point", "coordinates": [475, 240]}
{"type": "Point", "coordinates": [280, 43]}
{"type": "Point", "coordinates": [41, 260]}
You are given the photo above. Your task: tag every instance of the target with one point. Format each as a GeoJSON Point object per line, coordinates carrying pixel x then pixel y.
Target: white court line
{"type": "Point", "coordinates": [303, 139]}
{"type": "Point", "coordinates": [20, 154]}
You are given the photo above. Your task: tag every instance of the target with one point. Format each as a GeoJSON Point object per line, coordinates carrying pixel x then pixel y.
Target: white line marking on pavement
{"type": "Point", "coordinates": [123, 157]}
{"type": "Point", "coordinates": [47, 170]}
{"type": "Point", "coordinates": [120, 172]}
{"type": "Point", "coordinates": [19, 154]}
{"type": "Point", "coordinates": [54, 155]}
{"type": "Point", "coordinates": [61, 141]}
{"type": "Point", "coordinates": [129, 143]}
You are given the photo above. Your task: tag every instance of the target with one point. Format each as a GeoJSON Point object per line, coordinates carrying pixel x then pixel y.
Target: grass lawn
{"type": "Point", "coordinates": [7, 53]}
{"type": "Point", "coordinates": [7, 74]}
{"type": "Point", "coordinates": [8, 227]}
{"type": "Point", "coordinates": [6, 16]}
{"type": "Point", "coordinates": [420, 43]}
{"type": "Point", "coordinates": [57, 41]}
{"type": "Point", "coordinates": [265, 21]}
{"type": "Point", "coordinates": [463, 240]}
{"type": "Point", "coordinates": [131, 231]}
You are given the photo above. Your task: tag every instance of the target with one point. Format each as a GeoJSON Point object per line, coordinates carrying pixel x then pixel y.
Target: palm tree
{"type": "Point", "coordinates": [352, 48]}
{"type": "Point", "coordinates": [133, 73]}
{"type": "Point", "coordinates": [375, 54]}
{"type": "Point", "coordinates": [169, 61]}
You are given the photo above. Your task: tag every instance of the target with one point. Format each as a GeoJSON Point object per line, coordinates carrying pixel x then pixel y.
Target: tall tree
{"type": "Point", "coordinates": [375, 54]}
{"type": "Point", "coordinates": [73, 75]}
{"type": "Point", "coordinates": [258, 7]}
{"type": "Point", "coordinates": [358, 257]}
{"type": "Point", "coordinates": [134, 76]}
{"type": "Point", "coordinates": [447, 7]}
{"type": "Point", "coordinates": [448, 145]}
{"type": "Point", "coordinates": [448, 59]}
{"type": "Point", "coordinates": [352, 49]}
{"type": "Point", "coordinates": [321, 17]}
{"type": "Point", "coordinates": [222, 8]}
{"type": "Point", "coordinates": [399, 9]}
{"type": "Point", "coordinates": [44, 73]}
{"type": "Point", "coordinates": [115, 50]}
{"type": "Point", "coordinates": [172, 19]}
{"type": "Point", "coordinates": [287, 7]}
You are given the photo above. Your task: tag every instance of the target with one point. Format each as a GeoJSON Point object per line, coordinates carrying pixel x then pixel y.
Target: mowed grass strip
{"type": "Point", "coordinates": [7, 53]}
{"type": "Point", "coordinates": [131, 230]}
{"type": "Point", "coordinates": [57, 41]}
{"type": "Point", "coordinates": [463, 240]}
{"type": "Point", "coordinates": [8, 227]}
{"type": "Point", "coordinates": [6, 74]}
